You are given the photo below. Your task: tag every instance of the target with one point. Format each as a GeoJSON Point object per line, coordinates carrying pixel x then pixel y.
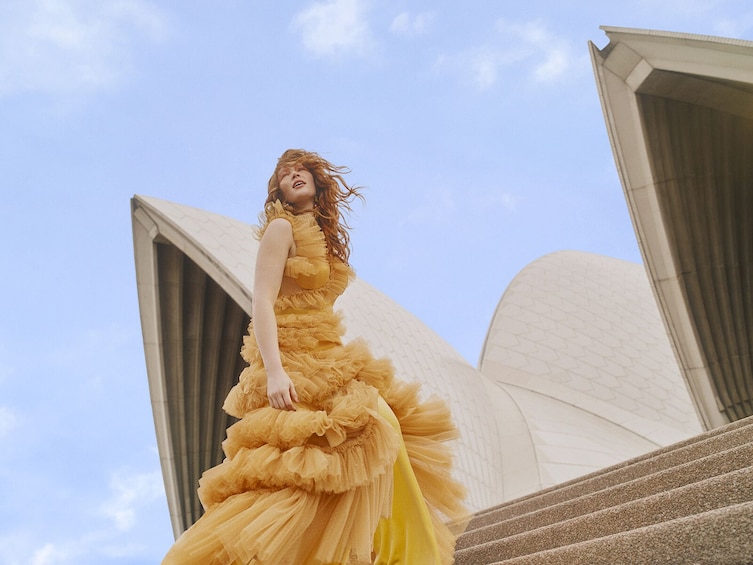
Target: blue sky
{"type": "Point", "coordinates": [474, 126]}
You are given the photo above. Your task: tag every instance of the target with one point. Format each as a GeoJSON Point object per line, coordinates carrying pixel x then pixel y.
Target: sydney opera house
{"type": "Point", "coordinates": [620, 389]}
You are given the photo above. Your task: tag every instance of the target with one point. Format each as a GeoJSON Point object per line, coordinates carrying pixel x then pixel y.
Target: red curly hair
{"type": "Point", "coordinates": [332, 195]}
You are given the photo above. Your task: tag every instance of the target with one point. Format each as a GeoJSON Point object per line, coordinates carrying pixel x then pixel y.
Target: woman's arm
{"type": "Point", "coordinates": [274, 249]}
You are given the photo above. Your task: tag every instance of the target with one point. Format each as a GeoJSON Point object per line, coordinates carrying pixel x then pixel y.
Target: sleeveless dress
{"type": "Point", "coordinates": [359, 473]}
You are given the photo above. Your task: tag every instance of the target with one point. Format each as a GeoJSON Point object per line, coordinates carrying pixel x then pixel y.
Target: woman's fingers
{"type": "Point", "coordinates": [283, 400]}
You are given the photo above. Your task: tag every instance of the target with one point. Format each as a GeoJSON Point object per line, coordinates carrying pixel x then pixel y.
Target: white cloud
{"type": "Point", "coordinates": [24, 547]}
{"type": "Point", "coordinates": [335, 27]}
{"type": "Point", "coordinates": [556, 63]}
{"type": "Point", "coordinates": [8, 421]}
{"type": "Point", "coordinates": [504, 200]}
{"type": "Point", "coordinates": [50, 554]}
{"type": "Point", "coordinates": [129, 492]}
{"type": "Point", "coordinates": [71, 45]}
{"type": "Point", "coordinates": [131, 496]}
{"type": "Point", "coordinates": [14, 546]}
{"type": "Point", "coordinates": [484, 68]}
{"type": "Point", "coordinates": [486, 63]}
{"type": "Point", "coordinates": [68, 552]}
{"type": "Point", "coordinates": [544, 57]}
{"type": "Point", "coordinates": [410, 25]}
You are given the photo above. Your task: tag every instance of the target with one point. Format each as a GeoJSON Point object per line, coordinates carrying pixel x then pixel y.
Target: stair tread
{"type": "Point", "coordinates": [661, 481]}
{"type": "Point", "coordinates": [736, 434]}
{"type": "Point", "coordinates": [717, 537]}
{"type": "Point", "coordinates": [716, 492]}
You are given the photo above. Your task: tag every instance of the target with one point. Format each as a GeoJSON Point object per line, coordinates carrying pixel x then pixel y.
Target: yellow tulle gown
{"type": "Point", "coordinates": [358, 474]}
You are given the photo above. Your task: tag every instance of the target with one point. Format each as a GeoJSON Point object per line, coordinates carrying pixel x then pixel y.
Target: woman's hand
{"type": "Point", "coordinates": [280, 390]}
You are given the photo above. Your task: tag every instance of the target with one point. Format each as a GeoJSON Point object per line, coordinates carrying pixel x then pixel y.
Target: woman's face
{"type": "Point", "coordinates": [297, 187]}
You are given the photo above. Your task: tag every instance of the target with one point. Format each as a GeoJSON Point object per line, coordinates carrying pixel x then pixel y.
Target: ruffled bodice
{"type": "Point", "coordinates": [310, 268]}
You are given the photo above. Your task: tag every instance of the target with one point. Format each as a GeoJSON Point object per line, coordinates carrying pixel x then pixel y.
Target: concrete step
{"type": "Point", "coordinates": [704, 445]}
{"type": "Point", "coordinates": [705, 483]}
{"type": "Point", "coordinates": [621, 493]}
{"type": "Point", "coordinates": [723, 536]}
{"type": "Point", "coordinates": [711, 494]}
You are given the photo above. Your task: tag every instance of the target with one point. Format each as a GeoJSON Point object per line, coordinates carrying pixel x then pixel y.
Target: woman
{"type": "Point", "coordinates": [333, 460]}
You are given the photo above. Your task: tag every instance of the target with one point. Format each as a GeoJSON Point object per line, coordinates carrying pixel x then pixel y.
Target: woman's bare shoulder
{"type": "Point", "coordinates": [279, 227]}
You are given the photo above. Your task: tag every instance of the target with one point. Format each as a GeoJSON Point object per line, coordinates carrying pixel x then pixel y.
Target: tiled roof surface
{"type": "Point", "coordinates": [578, 342]}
